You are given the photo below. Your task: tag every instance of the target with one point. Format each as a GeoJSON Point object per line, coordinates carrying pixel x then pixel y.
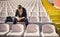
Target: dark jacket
{"type": "Point", "coordinates": [24, 14]}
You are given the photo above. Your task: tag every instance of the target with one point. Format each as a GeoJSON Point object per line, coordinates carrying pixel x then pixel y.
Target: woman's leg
{"type": "Point", "coordinates": [25, 20]}
{"type": "Point", "coordinates": [15, 21]}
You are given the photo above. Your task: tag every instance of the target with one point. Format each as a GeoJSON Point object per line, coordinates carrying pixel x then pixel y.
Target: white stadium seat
{"type": "Point", "coordinates": [2, 19]}
{"type": "Point", "coordinates": [42, 14]}
{"type": "Point", "coordinates": [17, 31]}
{"type": "Point", "coordinates": [4, 28]}
{"type": "Point", "coordinates": [44, 19]}
{"type": "Point", "coordinates": [35, 14]}
{"type": "Point", "coordinates": [48, 30]}
{"type": "Point", "coordinates": [32, 30]}
{"type": "Point", "coordinates": [34, 19]}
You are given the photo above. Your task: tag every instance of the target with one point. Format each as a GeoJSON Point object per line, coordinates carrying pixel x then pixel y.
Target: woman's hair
{"type": "Point", "coordinates": [19, 6]}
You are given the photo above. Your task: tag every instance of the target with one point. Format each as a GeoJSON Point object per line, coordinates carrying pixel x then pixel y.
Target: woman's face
{"type": "Point", "coordinates": [20, 10]}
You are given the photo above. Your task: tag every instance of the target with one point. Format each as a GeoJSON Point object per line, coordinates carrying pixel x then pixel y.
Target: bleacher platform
{"type": "Point", "coordinates": [40, 24]}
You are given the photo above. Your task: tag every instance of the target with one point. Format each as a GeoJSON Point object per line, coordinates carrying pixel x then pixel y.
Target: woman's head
{"type": "Point", "coordinates": [20, 8]}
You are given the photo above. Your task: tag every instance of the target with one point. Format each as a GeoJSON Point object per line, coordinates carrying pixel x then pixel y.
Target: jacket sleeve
{"type": "Point", "coordinates": [16, 13]}
{"type": "Point", "coordinates": [25, 13]}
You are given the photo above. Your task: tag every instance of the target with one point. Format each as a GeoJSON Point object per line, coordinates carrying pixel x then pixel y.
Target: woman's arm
{"type": "Point", "coordinates": [16, 13]}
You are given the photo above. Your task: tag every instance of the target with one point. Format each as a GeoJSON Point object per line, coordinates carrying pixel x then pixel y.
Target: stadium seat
{"type": "Point", "coordinates": [42, 14]}
{"type": "Point", "coordinates": [35, 14]}
{"type": "Point", "coordinates": [17, 31]}
{"type": "Point", "coordinates": [48, 30]}
{"type": "Point", "coordinates": [2, 19]}
{"type": "Point", "coordinates": [4, 28]}
{"type": "Point", "coordinates": [32, 30]}
{"type": "Point", "coordinates": [34, 19]}
{"type": "Point", "coordinates": [28, 14]}
{"type": "Point", "coordinates": [44, 19]}
{"type": "Point", "coordinates": [4, 12]}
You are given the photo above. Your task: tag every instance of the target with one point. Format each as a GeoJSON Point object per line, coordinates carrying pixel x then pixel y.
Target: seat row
{"type": "Point", "coordinates": [32, 30]}
{"type": "Point", "coordinates": [31, 19]}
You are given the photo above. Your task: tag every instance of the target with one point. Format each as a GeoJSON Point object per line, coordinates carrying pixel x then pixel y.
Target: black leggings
{"type": "Point", "coordinates": [23, 20]}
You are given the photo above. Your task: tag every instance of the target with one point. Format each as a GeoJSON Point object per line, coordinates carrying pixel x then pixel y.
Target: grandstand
{"type": "Point", "coordinates": [43, 22]}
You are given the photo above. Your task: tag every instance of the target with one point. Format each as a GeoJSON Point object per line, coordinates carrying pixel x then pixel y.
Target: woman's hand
{"type": "Point", "coordinates": [18, 19]}
{"type": "Point", "coordinates": [22, 17]}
